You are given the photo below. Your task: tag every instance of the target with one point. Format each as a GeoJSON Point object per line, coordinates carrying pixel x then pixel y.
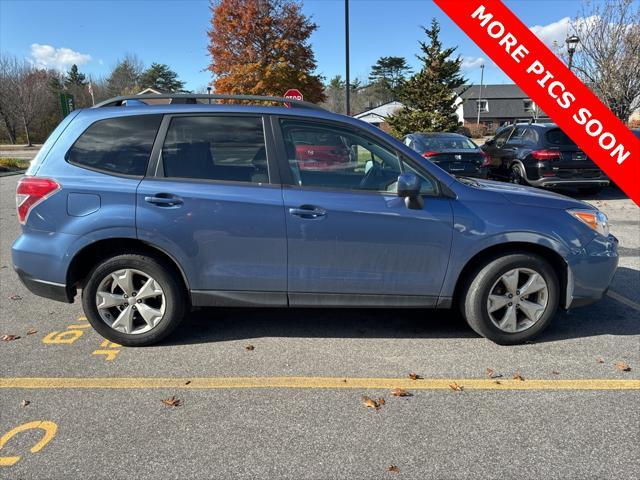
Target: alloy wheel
{"type": "Point", "coordinates": [130, 301]}
{"type": "Point", "coordinates": [517, 300]}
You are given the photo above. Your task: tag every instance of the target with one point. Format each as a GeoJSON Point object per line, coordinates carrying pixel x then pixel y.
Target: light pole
{"type": "Point", "coordinates": [572, 43]}
{"type": "Point", "coordinates": [209, 92]}
{"type": "Point", "coordinates": [346, 52]}
{"type": "Point", "coordinates": [480, 92]}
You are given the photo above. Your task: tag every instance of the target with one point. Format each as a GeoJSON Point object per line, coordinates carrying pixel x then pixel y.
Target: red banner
{"type": "Point", "coordinates": [550, 84]}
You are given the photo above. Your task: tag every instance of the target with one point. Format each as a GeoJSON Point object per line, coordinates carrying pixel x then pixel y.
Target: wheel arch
{"type": "Point", "coordinates": [87, 258]}
{"type": "Point", "coordinates": [481, 258]}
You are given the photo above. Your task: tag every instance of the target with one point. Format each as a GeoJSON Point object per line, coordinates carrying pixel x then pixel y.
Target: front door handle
{"type": "Point", "coordinates": [164, 200]}
{"type": "Point", "coordinates": [308, 212]}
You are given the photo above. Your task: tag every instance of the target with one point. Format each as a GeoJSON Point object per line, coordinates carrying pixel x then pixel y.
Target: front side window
{"type": "Point", "coordinates": [339, 158]}
{"type": "Point", "coordinates": [502, 137]}
{"type": "Point", "coordinates": [330, 157]}
{"type": "Point", "coordinates": [223, 148]}
{"type": "Point", "coordinates": [118, 145]}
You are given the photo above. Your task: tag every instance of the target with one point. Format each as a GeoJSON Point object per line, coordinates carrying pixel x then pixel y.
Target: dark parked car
{"type": "Point", "coordinates": [542, 155]}
{"type": "Point", "coordinates": [453, 152]}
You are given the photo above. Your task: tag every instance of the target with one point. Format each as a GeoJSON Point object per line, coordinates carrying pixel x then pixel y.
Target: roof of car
{"type": "Point", "coordinates": [437, 134]}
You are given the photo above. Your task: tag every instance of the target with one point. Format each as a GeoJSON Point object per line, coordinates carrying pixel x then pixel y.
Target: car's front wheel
{"type": "Point", "coordinates": [512, 298]}
{"type": "Point", "coordinates": [133, 300]}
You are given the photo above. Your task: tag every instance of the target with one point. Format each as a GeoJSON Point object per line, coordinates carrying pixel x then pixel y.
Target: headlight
{"type": "Point", "coordinates": [594, 219]}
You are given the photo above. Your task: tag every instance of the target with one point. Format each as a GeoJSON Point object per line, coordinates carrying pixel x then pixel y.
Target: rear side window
{"type": "Point", "coordinates": [119, 145]}
{"type": "Point", "coordinates": [224, 148]}
{"type": "Point", "coordinates": [556, 136]}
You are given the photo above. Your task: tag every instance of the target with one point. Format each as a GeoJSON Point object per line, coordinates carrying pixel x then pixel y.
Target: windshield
{"type": "Point", "coordinates": [437, 144]}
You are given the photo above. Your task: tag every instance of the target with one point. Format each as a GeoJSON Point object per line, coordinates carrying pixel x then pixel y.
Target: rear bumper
{"type": "Point", "coordinates": [42, 288]}
{"type": "Point", "coordinates": [591, 271]}
{"type": "Point", "coordinates": [552, 182]}
{"type": "Point", "coordinates": [534, 175]}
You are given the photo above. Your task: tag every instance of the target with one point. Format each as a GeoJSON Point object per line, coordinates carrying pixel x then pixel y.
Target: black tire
{"type": "Point", "coordinates": [516, 175]}
{"type": "Point", "coordinates": [475, 297]}
{"type": "Point", "coordinates": [590, 190]}
{"type": "Point", "coordinates": [164, 274]}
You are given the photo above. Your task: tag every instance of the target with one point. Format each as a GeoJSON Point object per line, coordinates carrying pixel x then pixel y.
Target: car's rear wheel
{"type": "Point", "coordinates": [516, 175]}
{"type": "Point", "coordinates": [133, 300]}
{"type": "Point", "coordinates": [512, 298]}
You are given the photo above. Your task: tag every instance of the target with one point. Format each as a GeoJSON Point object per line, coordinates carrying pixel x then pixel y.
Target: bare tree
{"type": "Point", "coordinates": [25, 95]}
{"type": "Point", "coordinates": [608, 56]}
{"type": "Point", "coordinates": [8, 96]}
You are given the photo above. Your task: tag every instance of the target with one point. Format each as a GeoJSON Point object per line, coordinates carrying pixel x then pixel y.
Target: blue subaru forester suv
{"type": "Point", "coordinates": [155, 205]}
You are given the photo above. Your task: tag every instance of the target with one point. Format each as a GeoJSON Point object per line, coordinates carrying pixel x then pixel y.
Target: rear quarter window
{"type": "Point", "coordinates": [116, 145]}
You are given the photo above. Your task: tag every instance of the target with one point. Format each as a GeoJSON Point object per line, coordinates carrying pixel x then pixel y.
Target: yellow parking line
{"type": "Point", "coordinates": [623, 300]}
{"type": "Point", "coordinates": [316, 382]}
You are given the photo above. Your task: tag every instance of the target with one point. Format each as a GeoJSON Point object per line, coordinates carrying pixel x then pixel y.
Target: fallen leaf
{"type": "Point", "coordinates": [32, 331]}
{"type": "Point", "coordinates": [8, 338]}
{"type": "Point", "coordinates": [370, 403]}
{"type": "Point", "coordinates": [455, 387]}
{"type": "Point", "coordinates": [400, 392]}
{"type": "Point", "coordinates": [24, 403]}
{"type": "Point", "coordinates": [393, 469]}
{"type": "Point", "coordinates": [497, 382]}
{"type": "Point", "coordinates": [491, 374]}
{"type": "Point", "coordinates": [187, 382]}
{"type": "Point", "coordinates": [624, 367]}
{"type": "Point", "coordinates": [381, 401]}
{"type": "Point", "coordinates": [172, 401]}
{"type": "Point", "coordinates": [600, 360]}
{"type": "Point", "coordinates": [555, 372]}
{"type": "Point", "coordinates": [344, 380]}
{"type": "Point", "coordinates": [15, 297]}
{"type": "Point", "coordinates": [249, 347]}
{"type": "Point", "coordinates": [415, 376]}
{"type": "Point", "coordinates": [517, 376]}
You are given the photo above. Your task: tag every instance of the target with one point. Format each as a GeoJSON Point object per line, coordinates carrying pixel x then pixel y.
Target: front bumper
{"type": "Point", "coordinates": [591, 271]}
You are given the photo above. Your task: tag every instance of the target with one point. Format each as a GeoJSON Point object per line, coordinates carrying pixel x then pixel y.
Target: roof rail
{"type": "Point", "coordinates": [182, 98]}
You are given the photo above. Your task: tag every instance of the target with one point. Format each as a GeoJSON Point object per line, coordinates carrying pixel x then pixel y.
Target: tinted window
{"type": "Point", "coordinates": [120, 145]}
{"type": "Point", "coordinates": [518, 135]}
{"type": "Point", "coordinates": [449, 142]}
{"type": "Point", "coordinates": [556, 136]}
{"type": "Point", "coordinates": [530, 136]}
{"type": "Point", "coordinates": [216, 148]}
{"type": "Point", "coordinates": [332, 157]}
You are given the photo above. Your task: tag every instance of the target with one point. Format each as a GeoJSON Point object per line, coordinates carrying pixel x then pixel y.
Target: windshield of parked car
{"type": "Point", "coordinates": [437, 144]}
{"type": "Point", "coordinates": [556, 136]}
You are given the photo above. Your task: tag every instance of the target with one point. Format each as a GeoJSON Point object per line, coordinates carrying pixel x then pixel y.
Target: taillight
{"type": "Point", "coordinates": [486, 160]}
{"type": "Point", "coordinates": [30, 192]}
{"type": "Point", "coordinates": [546, 155]}
{"type": "Point", "coordinates": [429, 154]}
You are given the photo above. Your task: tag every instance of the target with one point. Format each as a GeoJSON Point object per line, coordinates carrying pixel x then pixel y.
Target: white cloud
{"type": "Point", "coordinates": [470, 63]}
{"type": "Point", "coordinates": [554, 34]}
{"type": "Point", "coordinates": [47, 56]}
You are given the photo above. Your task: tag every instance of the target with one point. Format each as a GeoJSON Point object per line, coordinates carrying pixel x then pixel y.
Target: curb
{"type": "Point", "coordinates": [15, 172]}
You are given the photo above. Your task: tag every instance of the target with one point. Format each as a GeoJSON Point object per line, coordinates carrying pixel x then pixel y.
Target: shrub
{"type": "Point", "coordinates": [476, 130]}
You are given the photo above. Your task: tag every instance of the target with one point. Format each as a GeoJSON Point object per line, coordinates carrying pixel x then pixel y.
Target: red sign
{"type": "Point", "coordinates": [550, 84]}
{"type": "Point", "coordinates": [293, 94]}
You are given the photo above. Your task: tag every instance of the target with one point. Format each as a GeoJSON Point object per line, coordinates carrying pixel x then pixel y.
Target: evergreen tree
{"type": "Point", "coordinates": [74, 77]}
{"type": "Point", "coordinates": [160, 77]}
{"type": "Point", "coordinates": [388, 73]}
{"type": "Point", "coordinates": [124, 78]}
{"type": "Point", "coordinates": [429, 95]}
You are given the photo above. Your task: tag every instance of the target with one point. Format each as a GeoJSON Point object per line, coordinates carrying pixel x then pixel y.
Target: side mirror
{"type": "Point", "coordinates": [409, 189]}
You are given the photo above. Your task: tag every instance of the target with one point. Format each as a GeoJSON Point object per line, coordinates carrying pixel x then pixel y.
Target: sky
{"type": "Point", "coordinates": [94, 33]}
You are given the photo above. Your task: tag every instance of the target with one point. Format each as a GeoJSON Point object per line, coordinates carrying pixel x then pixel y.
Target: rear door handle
{"type": "Point", "coordinates": [308, 212]}
{"type": "Point", "coordinates": [164, 200]}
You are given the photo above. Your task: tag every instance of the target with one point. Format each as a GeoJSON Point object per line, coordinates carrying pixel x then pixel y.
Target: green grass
{"type": "Point", "coordinates": [10, 164]}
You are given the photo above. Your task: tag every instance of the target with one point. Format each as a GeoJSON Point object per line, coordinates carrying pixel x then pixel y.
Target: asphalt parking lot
{"type": "Point", "coordinates": [292, 406]}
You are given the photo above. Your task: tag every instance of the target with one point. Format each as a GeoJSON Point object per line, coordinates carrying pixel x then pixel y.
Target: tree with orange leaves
{"type": "Point", "coordinates": [261, 47]}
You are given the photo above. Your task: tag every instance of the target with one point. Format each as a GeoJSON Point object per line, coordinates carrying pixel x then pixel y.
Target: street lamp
{"type": "Point", "coordinates": [209, 93]}
{"type": "Point", "coordinates": [572, 43]}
